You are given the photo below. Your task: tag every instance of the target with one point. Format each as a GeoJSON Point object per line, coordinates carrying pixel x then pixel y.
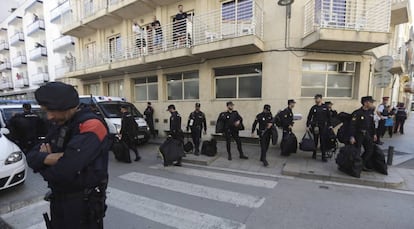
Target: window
{"type": "Point", "coordinates": [183, 86]}
{"type": "Point", "coordinates": [93, 89]}
{"type": "Point", "coordinates": [115, 47]}
{"type": "Point", "coordinates": [324, 78]}
{"type": "Point", "coordinates": [146, 88]}
{"type": "Point", "coordinates": [116, 88]}
{"type": "Point", "coordinates": [237, 18]}
{"type": "Point", "coordinates": [239, 82]}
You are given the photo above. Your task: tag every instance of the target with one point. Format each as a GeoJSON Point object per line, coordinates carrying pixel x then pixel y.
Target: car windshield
{"type": "Point", "coordinates": [113, 109]}
{"type": "Point", "coordinates": [8, 113]}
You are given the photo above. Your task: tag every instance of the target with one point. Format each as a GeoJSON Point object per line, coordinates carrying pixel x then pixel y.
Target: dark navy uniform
{"type": "Point", "coordinates": [286, 121]}
{"type": "Point", "coordinates": [232, 131]}
{"type": "Point", "coordinates": [363, 131]}
{"type": "Point", "coordinates": [196, 122]}
{"type": "Point", "coordinates": [149, 118]}
{"type": "Point", "coordinates": [264, 132]}
{"type": "Point", "coordinates": [176, 131]}
{"type": "Point", "coordinates": [129, 133]}
{"type": "Point", "coordinates": [319, 120]}
{"type": "Point", "coordinates": [26, 129]}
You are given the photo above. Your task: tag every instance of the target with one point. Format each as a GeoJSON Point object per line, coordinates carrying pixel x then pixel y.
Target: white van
{"type": "Point", "coordinates": [110, 109]}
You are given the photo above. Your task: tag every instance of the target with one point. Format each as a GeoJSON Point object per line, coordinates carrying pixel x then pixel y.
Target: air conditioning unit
{"type": "Point", "coordinates": [347, 67]}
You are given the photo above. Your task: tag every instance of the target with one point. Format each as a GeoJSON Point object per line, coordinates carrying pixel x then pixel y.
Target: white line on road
{"type": "Point", "coordinates": [221, 177]}
{"type": "Point", "coordinates": [221, 195]}
{"type": "Point", "coordinates": [168, 214]}
{"type": "Point", "coordinates": [38, 226]}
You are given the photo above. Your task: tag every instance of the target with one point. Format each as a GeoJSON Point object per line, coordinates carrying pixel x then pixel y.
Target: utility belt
{"type": "Point", "coordinates": [364, 133]}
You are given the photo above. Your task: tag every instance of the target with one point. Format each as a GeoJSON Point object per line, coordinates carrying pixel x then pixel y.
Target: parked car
{"type": "Point", "coordinates": [8, 110]}
{"type": "Point", "coordinates": [110, 109]}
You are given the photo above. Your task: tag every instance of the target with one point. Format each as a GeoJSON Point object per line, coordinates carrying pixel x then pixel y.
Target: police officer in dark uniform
{"type": "Point", "coordinates": [26, 128]}
{"type": "Point", "coordinates": [149, 118]}
{"type": "Point", "coordinates": [286, 118]}
{"type": "Point", "coordinates": [233, 123]}
{"type": "Point", "coordinates": [197, 122]}
{"type": "Point", "coordinates": [265, 121]}
{"type": "Point", "coordinates": [175, 128]}
{"type": "Point", "coordinates": [129, 131]}
{"type": "Point", "coordinates": [363, 131]}
{"type": "Point", "coordinates": [319, 120]}
{"type": "Point", "coordinates": [73, 159]}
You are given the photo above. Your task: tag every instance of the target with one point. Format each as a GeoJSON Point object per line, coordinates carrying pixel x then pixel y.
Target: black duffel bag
{"type": "Point", "coordinates": [209, 148]}
{"type": "Point", "coordinates": [171, 150]}
{"type": "Point", "coordinates": [289, 144]}
{"type": "Point", "coordinates": [188, 147]}
{"type": "Point", "coordinates": [331, 140]}
{"type": "Point", "coordinates": [307, 143]}
{"type": "Point", "coordinates": [349, 160]}
{"type": "Point", "coordinates": [378, 161]}
{"type": "Point", "coordinates": [121, 151]}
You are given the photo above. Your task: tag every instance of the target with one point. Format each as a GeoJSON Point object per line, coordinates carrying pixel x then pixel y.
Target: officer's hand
{"type": "Point", "coordinates": [205, 132]}
{"type": "Point", "coordinates": [290, 127]}
{"type": "Point", "coordinates": [269, 125]}
{"type": "Point", "coordinates": [352, 140]}
{"type": "Point", "coordinates": [237, 123]}
{"type": "Point", "coordinates": [375, 138]}
{"type": "Point", "coordinates": [52, 158]}
{"type": "Point", "coordinates": [45, 148]}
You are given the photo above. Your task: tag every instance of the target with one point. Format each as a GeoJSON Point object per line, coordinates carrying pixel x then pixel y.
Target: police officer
{"type": "Point", "coordinates": [265, 121]}
{"type": "Point", "coordinates": [233, 123]}
{"type": "Point", "coordinates": [26, 128]}
{"type": "Point", "coordinates": [175, 128]}
{"type": "Point", "coordinates": [319, 120]}
{"type": "Point", "coordinates": [363, 130]}
{"type": "Point", "coordinates": [149, 118]}
{"type": "Point", "coordinates": [129, 131]}
{"type": "Point", "coordinates": [197, 122]}
{"type": "Point", "coordinates": [73, 159]}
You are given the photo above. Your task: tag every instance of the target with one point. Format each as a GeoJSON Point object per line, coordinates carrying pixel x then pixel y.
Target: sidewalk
{"type": "Point", "coordinates": [402, 143]}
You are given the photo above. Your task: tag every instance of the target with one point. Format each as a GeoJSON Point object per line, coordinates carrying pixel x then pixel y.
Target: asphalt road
{"type": "Point", "coordinates": [146, 195]}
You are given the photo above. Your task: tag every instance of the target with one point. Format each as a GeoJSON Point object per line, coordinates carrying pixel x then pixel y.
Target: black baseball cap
{"type": "Point", "coordinates": [149, 103]}
{"type": "Point", "coordinates": [171, 106]}
{"type": "Point", "coordinates": [290, 101]}
{"type": "Point", "coordinates": [57, 96]}
{"type": "Point", "coordinates": [328, 103]}
{"type": "Point", "coordinates": [367, 99]}
{"type": "Point", "coordinates": [266, 107]}
{"type": "Point", "coordinates": [198, 105]}
{"type": "Point", "coordinates": [27, 106]}
{"type": "Point", "coordinates": [229, 103]}
{"type": "Point", "coordinates": [318, 96]}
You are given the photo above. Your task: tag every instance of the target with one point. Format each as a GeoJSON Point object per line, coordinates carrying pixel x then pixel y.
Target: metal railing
{"type": "Point", "coordinates": [62, 42]}
{"type": "Point", "coordinates": [19, 36]}
{"type": "Point", "coordinates": [4, 45]}
{"type": "Point", "coordinates": [6, 84]}
{"type": "Point", "coordinates": [61, 70]}
{"type": "Point", "coordinates": [368, 15]}
{"type": "Point", "coordinates": [37, 25]}
{"type": "Point", "coordinates": [40, 78]}
{"type": "Point", "coordinates": [38, 52]}
{"type": "Point", "coordinates": [5, 66]}
{"type": "Point", "coordinates": [244, 19]}
{"type": "Point", "coordinates": [22, 80]}
{"type": "Point", "coordinates": [89, 8]}
{"type": "Point", "coordinates": [19, 60]}
{"type": "Point", "coordinates": [59, 10]}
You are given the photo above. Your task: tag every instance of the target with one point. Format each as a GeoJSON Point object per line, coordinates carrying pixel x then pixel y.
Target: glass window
{"type": "Point", "coordinates": [116, 88]}
{"type": "Point", "coordinates": [183, 86]}
{"type": "Point", "coordinates": [239, 82]}
{"type": "Point", "coordinates": [324, 78]}
{"type": "Point", "coordinates": [146, 88]}
{"type": "Point", "coordinates": [93, 89]}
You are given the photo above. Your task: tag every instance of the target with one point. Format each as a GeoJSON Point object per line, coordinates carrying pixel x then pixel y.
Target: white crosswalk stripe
{"type": "Point", "coordinates": [168, 214]}
{"type": "Point", "coordinates": [221, 176]}
{"type": "Point", "coordinates": [206, 192]}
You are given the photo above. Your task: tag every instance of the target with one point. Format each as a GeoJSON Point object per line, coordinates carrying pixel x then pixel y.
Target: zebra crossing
{"type": "Point", "coordinates": [173, 214]}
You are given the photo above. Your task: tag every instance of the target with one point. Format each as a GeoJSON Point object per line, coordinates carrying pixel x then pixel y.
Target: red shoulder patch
{"type": "Point", "coordinates": [94, 126]}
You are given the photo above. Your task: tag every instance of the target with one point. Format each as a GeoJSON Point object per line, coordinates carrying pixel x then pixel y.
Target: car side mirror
{"type": "Point", "coordinates": [4, 131]}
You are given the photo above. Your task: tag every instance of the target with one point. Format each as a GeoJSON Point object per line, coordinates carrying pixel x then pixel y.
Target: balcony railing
{"type": "Point", "coordinates": [22, 80]}
{"type": "Point", "coordinates": [62, 43]}
{"type": "Point", "coordinates": [5, 66]}
{"type": "Point", "coordinates": [4, 46]}
{"type": "Point", "coordinates": [40, 78]}
{"type": "Point", "coordinates": [16, 38]}
{"type": "Point", "coordinates": [37, 53]}
{"type": "Point", "coordinates": [6, 84]}
{"type": "Point", "coordinates": [90, 8]}
{"type": "Point", "coordinates": [59, 10]}
{"type": "Point", "coordinates": [36, 26]}
{"type": "Point", "coordinates": [19, 61]}
{"type": "Point", "coordinates": [368, 15]}
{"type": "Point", "coordinates": [198, 30]}
{"type": "Point", "coordinates": [61, 70]}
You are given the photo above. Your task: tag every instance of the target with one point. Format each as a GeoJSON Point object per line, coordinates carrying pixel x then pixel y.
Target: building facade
{"type": "Point", "coordinates": [32, 49]}
{"type": "Point", "coordinates": [253, 52]}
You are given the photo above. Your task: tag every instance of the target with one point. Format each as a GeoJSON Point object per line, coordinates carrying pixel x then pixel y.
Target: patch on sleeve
{"type": "Point", "coordinates": [94, 126]}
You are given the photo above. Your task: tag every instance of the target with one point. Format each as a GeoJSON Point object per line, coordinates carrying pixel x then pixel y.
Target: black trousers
{"type": "Point", "coordinates": [381, 127]}
{"type": "Point", "coordinates": [399, 125]}
{"type": "Point", "coordinates": [264, 144]}
{"type": "Point", "coordinates": [229, 134]}
{"type": "Point", "coordinates": [150, 122]}
{"type": "Point", "coordinates": [132, 144]}
{"type": "Point", "coordinates": [320, 138]}
{"type": "Point", "coordinates": [366, 141]}
{"type": "Point", "coordinates": [285, 134]}
{"type": "Point", "coordinates": [70, 213]}
{"type": "Point", "coordinates": [196, 136]}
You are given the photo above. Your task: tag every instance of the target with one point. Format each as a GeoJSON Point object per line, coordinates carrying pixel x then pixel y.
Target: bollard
{"type": "Point", "coordinates": [390, 155]}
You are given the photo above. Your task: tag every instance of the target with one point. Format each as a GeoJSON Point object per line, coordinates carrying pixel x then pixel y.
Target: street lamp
{"type": "Point", "coordinates": [285, 2]}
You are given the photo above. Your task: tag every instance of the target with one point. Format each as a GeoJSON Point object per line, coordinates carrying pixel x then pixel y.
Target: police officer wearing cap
{"type": "Point", "coordinates": [197, 122]}
{"type": "Point", "coordinates": [129, 131]}
{"type": "Point", "coordinates": [26, 128]}
{"type": "Point", "coordinates": [175, 128]}
{"type": "Point", "coordinates": [265, 121]}
{"type": "Point", "coordinates": [149, 118]}
{"type": "Point", "coordinates": [363, 130]}
{"type": "Point", "coordinates": [73, 159]}
{"type": "Point", "coordinates": [233, 123]}
{"type": "Point", "coordinates": [286, 118]}
{"type": "Point", "coordinates": [319, 120]}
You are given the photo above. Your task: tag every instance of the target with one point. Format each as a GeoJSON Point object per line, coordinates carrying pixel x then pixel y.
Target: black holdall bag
{"type": "Point", "coordinates": [209, 148]}
{"type": "Point", "coordinates": [289, 144]}
{"type": "Point", "coordinates": [307, 143]}
{"type": "Point", "coordinates": [275, 135]}
{"type": "Point", "coordinates": [331, 140]}
{"type": "Point", "coordinates": [121, 151]}
{"type": "Point", "coordinates": [171, 150]}
{"type": "Point", "coordinates": [349, 160]}
{"type": "Point", "coordinates": [378, 161]}
{"type": "Point", "coordinates": [188, 147]}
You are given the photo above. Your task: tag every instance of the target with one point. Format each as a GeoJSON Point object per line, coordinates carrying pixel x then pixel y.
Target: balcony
{"type": "Point", "coordinates": [59, 10]}
{"type": "Point", "coordinates": [37, 53]}
{"type": "Point", "coordinates": [400, 12]}
{"type": "Point", "coordinates": [95, 15]}
{"type": "Point", "coordinates": [129, 9]}
{"type": "Point", "coordinates": [63, 43]}
{"type": "Point", "coordinates": [205, 36]}
{"type": "Point", "coordinates": [6, 84]}
{"type": "Point", "coordinates": [5, 66]}
{"type": "Point", "coordinates": [399, 65]}
{"type": "Point", "coordinates": [15, 20]}
{"type": "Point", "coordinates": [40, 78]}
{"type": "Point", "coordinates": [352, 26]}
{"type": "Point", "coordinates": [36, 26]}
{"type": "Point", "coordinates": [34, 5]}
{"type": "Point", "coordinates": [71, 25]}
{"type": "Point", "coordinates": [19, 61]}
{"type": "Point", "coordinates": [61, 70]}
{"type": "Point", "coordinates": [4, 46]}
{"type": "Point", "coordinates": [21, 80]}
{"type": "Point", "coordinates": [17, 39]}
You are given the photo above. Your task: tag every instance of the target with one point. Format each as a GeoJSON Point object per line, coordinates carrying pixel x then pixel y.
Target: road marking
{"type": "Point", "coordinates": [221, 177]}
{"type": "Point", "coordinates": [167, 214]}
{"type": "Point", "coordinates": [38, 226]}
{"type": "Point", "coordinates": [221, 195]}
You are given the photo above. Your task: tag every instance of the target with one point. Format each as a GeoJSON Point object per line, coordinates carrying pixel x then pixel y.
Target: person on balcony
{"type": "Point", "coordinates": [156, 25]}
{"type": "Point", "coordinates": [180, 27]}
{"type": "Point", "coordinates": [140, 35]}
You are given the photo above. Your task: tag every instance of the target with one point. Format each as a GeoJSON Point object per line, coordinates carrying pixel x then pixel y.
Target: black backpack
{"type": "Point", "coordinates": [209, 148]}
{"type": "Point", "coordinates": [378, 161]}
{"type": "Point", "coordinates": [277, 119]}
{"type": "Point", "coordinates": [289, 144]}
{"type": "Point", "coordinates": [188, 147]}
{"type": "Point", "coordinates": [349, 161]}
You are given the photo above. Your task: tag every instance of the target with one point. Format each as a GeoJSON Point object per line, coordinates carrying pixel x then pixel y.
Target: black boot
{"type": "Point", "coordinates": [229, 157]}
{"type": "Point", "coordinates": [324, 159]}
{"type": "Point", "coordinates": [197, 152]}
{"type": "Point", "coordinates": [137, 157]}
{"type": "Point", "coordinates": [242, 156]}
{"type": "Point", "coordinates": [265, 163]}
{"type": "Point", "coordinates": [314, 155]}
